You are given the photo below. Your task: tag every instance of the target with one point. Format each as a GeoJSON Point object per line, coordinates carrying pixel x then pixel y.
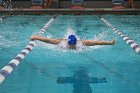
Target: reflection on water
{"type": "Point", "coordinates": [81, 81]}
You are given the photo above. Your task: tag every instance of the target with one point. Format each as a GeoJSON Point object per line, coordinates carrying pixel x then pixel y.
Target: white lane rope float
{"type": "Point", "coordinates": [6, 70]}
{"type": "Point", "coordinates": [129, 41]}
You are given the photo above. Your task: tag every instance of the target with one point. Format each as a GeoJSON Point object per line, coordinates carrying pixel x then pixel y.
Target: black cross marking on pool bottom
{"type": "Point", "coordinates": [80, 81]}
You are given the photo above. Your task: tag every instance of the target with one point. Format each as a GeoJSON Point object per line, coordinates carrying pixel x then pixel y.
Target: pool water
{"type": "Point", "coordinates": [50, 69]}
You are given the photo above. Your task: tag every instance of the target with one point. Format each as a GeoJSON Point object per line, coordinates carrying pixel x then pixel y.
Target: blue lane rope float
{"type": "Point", "coordinates": [129, 41]}
{"type": "Point", "coordinates": [6, 70]}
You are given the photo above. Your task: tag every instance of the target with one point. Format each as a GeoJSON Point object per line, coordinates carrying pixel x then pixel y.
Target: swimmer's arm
{"type": "Point", "coordinates": [94, 42]}
{"type": "Point", "coordinates": [46, 40]}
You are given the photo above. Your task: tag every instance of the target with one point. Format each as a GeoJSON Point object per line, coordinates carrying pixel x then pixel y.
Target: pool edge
{"type": "Point", "coordinates": [71, 11]}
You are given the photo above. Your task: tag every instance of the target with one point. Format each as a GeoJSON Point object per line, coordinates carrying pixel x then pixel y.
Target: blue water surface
{"type": "Point", "coordinates": [50, 69]}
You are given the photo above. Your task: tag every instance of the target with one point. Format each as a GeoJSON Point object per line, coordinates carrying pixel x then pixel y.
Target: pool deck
{"type": "Point", "coordinates": [72, 11]}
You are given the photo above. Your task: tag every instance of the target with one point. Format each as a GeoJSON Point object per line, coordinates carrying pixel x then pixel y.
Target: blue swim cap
{"type": "Point", "coordinates": [72, 39]}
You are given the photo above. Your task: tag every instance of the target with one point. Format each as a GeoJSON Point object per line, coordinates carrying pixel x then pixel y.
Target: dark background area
{"type": "Point", "coordinates": [68, 3]}
{"type": "Point", "coordinates": [71, 0]}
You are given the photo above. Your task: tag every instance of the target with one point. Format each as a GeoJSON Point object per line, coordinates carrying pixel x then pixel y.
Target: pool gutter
{"type": "Point", "coordinates": [71, 11]}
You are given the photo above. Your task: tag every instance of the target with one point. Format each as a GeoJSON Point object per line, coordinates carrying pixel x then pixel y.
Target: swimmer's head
{"type": "Point", "coordinates": [72, 40]}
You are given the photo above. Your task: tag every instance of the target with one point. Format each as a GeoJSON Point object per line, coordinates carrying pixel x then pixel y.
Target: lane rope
{"type": "Point", "coordinates": [6, 70]}
{"type": "Point", "coordinates": [129, 41]}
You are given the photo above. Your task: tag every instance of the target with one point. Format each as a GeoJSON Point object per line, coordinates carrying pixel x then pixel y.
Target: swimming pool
{"type": "Point", "coordinates": [46, 64]}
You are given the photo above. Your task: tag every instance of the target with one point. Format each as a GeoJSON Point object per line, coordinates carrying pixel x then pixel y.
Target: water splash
{"type": "Point", "coordinates": [1, 20]}
{"type": "Point", "coordinates": [5, 43]}
{"type": "Point", "coordinates": [38, 34]}
{"type": "Point", "coordinates": [63, 44]}
{"type": "Point", "coordinates": [99, 36]}
{"type": "Point", "coordinates": [70, 31]}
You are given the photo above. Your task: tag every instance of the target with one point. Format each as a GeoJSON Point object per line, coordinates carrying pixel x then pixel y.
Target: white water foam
{"type": "Point", "coordinates": [6, 43]}
{"type": "Point", "coordinates": [1, 20]}
{"type": "Point", "coordinates": [101, 37]}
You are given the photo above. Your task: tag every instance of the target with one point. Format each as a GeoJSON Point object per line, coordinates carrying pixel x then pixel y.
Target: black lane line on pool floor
{"type": "Point", "coordinates": [129, 41]}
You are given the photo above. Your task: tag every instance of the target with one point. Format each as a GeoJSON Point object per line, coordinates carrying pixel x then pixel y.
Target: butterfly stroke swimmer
{"type": "Point", "coordinates": [71, 41]}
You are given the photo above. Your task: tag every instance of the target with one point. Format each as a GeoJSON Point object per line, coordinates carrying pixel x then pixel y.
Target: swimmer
{"type": "Point", "coordinates": [71, 41]}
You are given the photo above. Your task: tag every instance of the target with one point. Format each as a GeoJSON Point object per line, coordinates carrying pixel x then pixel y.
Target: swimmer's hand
{"type": "Point", "coordinates": [33, 38]}
{"type": "Point", "coordinates": [112, 42]}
